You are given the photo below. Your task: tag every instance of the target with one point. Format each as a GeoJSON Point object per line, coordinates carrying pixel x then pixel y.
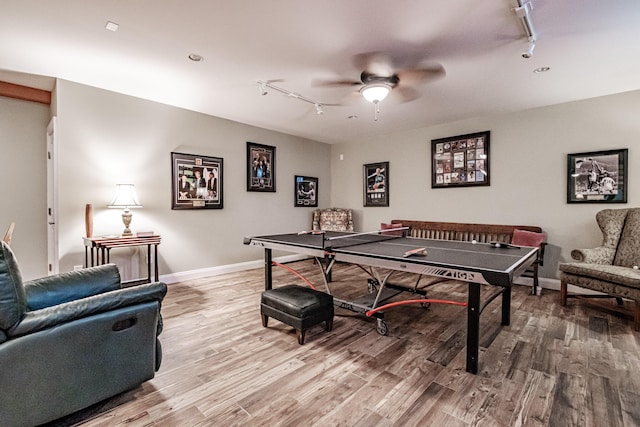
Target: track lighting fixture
{"type": "Point", "coordinates": [529, 52]}
{"type": "Point", "coordinates": [263, 88]}
{"type": "Point", "coordinates": [263, 85]}
{"type": "Point", "coordinates": [523, 12]}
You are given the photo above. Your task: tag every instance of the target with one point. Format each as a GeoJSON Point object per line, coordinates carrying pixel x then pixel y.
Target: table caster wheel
{"type": "Point", "coordinates": [425, 305]}
{"type": "Point", "coordinates": [372, 286]}
{"type": "Point", "coordinates": [381, 327]}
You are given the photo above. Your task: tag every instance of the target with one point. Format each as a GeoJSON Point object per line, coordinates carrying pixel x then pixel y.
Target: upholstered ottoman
{"type": "Point", "coordinates": [298, 307]}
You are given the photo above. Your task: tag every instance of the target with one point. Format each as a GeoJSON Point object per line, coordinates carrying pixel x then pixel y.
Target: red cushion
{"type": "Point", "coordinates": [527, 238]}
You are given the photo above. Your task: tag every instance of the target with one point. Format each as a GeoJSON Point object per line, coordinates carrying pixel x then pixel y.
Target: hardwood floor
{"type": "Point", "coordinates": [572, 366]}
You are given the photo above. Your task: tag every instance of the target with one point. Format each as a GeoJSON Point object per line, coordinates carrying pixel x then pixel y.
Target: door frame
{"type": "Point", "coordinates": [53, 259]}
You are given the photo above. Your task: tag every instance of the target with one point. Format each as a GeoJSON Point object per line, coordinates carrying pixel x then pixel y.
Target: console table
{"type": "Point", "coordinates": [96, 252]}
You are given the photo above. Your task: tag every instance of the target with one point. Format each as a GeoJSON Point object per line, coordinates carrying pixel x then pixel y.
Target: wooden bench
{"type": "Point", "coordinates": [481, 233]}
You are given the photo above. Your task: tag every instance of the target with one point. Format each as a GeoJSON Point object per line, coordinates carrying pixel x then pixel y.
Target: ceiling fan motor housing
{"type": "Point", "coordinates": [368, 78]}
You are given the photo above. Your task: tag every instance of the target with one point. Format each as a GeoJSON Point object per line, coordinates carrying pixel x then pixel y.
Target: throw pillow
{"type": "Point", "coordinates": [527, 238]}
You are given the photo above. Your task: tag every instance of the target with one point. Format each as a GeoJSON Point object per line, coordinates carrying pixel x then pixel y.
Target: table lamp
{"type": "Point", "coordinates": [126, 198]}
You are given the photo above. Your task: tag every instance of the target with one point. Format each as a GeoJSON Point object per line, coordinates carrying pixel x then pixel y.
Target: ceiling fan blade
{"type": "Point", "coordinates": [405, 94]}
{"type": "Point", "coordinates": [421, 75]}
{"type": "Point", "coordinates": [334, 83]}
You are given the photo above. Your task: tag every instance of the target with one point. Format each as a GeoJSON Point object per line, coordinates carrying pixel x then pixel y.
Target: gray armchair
{"type": "Point", "coordinates": [71, 340]}
{"type": "Point", "coordinates": [611, 268]}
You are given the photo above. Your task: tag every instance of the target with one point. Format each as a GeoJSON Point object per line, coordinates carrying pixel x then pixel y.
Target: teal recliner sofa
{"type": "Point", "coordinates": [71, 340]}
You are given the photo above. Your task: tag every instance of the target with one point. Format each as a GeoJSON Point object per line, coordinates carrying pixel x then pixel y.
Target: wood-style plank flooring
{"type": "Point", "coordinates": [572, 366]}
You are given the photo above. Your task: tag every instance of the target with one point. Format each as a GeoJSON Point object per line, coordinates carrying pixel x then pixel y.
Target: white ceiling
{"type": "Point", "coordinates": [590, 45]}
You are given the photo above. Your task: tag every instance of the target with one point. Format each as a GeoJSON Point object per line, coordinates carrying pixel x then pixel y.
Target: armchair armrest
{"type": "Point", "coordinates": [65, 287]}
{"type": "Point", "coordinates": [599, 255]}
{"type": "Point", "coordinates": [48, 317]}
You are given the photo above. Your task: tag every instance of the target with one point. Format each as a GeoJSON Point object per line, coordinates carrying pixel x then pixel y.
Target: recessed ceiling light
{"type": "Point", "coordinates": [541, 70]}
{"type": "Point", "coordinates": [111, 26]}
{"type": "Point", "coordinates": [195, 57]}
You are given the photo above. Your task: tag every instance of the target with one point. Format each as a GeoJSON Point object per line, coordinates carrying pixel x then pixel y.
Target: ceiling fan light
{"type": "Point", "coordinates": [375, 92]}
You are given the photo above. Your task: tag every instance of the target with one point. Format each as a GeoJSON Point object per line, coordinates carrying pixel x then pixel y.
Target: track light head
{"type": "Point", "coordinates": [529, 52]}
{"type": "Point", "coordinates": [262, 87]}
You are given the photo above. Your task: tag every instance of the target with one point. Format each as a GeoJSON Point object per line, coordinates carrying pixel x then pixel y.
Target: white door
{"type": "Point", "coordinates": [52, 200]}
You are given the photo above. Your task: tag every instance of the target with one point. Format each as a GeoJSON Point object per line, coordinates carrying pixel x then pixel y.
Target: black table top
{"type": "Point", "coordinates": [449, 254]}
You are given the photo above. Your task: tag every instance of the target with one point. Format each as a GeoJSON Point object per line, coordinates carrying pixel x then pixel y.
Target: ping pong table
{"type": "Point", "coordinates": [495, 264]}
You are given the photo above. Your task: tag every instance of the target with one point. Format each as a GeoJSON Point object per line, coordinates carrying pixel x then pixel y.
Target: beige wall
{"type": "Point", "coordinates": [23, 176]}
{"type": "Point", "coordinates": [107, 138]}
{"type": "Point", "coordinates": [528, 171]}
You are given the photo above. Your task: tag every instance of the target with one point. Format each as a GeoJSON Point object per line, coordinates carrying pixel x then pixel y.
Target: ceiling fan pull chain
{"type": "Point", "coordinates": [376, 110]}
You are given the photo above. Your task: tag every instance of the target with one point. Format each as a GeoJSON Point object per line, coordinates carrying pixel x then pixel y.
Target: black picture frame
{"type": "Point", "coordinates": [461, 161]}
{"type": "Point", "coordinates": [189, 169]}
{"type": "Point", "coordinates": [597, 176]}
{"type": "Point", "coordinates": [376, 184]}
{"type": "Point", "coordinates": [261, 167]}
{"type": "Point", "coordinates": [305, 192]}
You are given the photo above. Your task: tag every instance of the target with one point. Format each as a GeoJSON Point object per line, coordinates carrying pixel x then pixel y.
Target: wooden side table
{"type": "Point", "coordinates": [97, 249]}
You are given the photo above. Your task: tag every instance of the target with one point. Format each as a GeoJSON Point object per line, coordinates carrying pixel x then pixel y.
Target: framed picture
{"type": "Point", "coordinates": [460, 161]}
{"type": "Point", "coordinates": [305, 192]}
{"type": "Point", "coordinates": [597, 177]}
{"type": "Point", "coordinates": [261, 167]}
{"type": "Point", "coordinates": [376, 184]}
{"type": "Point", "coordinates": [196, 182]}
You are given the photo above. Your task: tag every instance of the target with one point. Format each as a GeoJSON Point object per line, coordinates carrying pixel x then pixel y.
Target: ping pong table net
{"type": "Point", "coordinates": [343, 241]}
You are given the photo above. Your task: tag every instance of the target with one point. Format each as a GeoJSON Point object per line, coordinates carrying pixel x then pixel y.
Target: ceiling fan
{"type": "Point", "coordinates": [380, 76]}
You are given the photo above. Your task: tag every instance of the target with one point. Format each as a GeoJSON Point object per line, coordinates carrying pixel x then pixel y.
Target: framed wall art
{"type": "Point", "coordinates": [597, 177]}
{"type": "Point", "coordinates": [196, 182]}
{"type": "Point", "coordinates": [305, 192]}
{"type": "Point", "coordinates": [460, 161]}
{"type": "Point", "coordinates": [261, 167]}
{"type": "Point", "coordinates": [376, 184]}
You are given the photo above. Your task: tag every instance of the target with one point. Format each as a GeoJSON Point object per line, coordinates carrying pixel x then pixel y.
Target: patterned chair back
{"type": "Point", "coordinates": [333, 219]}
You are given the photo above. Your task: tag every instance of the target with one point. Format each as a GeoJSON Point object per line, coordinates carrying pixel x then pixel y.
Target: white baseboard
{"type": "Point", "coordinates": [545, 283]}
{"type": "Point", "coordinates": [554, 285]}
{"type": "Point", "coordinates": [223, 269]}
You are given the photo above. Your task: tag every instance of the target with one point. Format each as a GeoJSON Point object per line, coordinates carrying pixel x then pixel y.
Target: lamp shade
{"type": "Point", "coordinates": [375, 92]}
{"type": "Point", "coordinates": [125, 197]}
